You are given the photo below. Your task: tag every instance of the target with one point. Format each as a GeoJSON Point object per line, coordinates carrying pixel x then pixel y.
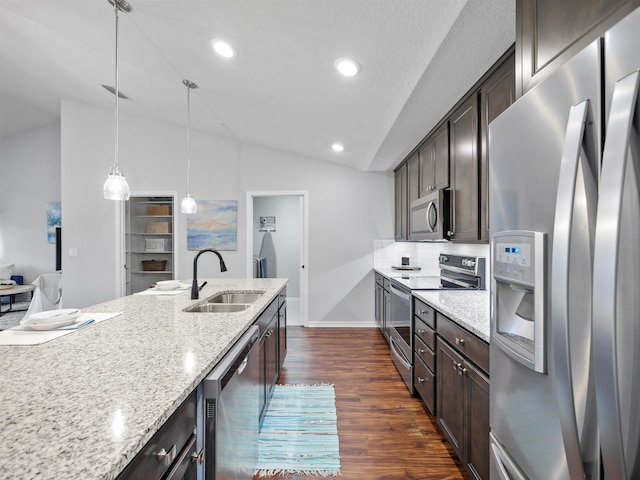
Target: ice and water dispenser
{"type": "Point", "coordinates": [519, 303]}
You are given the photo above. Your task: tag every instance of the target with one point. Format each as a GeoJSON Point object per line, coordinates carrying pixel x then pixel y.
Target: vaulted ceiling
{"type": "Point", "coordinates": [418, 57]}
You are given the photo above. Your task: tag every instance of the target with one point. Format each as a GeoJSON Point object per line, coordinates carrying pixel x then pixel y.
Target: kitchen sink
{"type": "Point", "coordinates": [234, 297]}
{"type": "Point", "coordinates": [218, 307]}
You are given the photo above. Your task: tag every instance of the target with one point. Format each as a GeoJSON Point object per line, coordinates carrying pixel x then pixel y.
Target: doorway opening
{"type": "Point", "coordinates": [278, 246]}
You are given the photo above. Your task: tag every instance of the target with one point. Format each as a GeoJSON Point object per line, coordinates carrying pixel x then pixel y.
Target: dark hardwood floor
{"type": "Point", "coordinates": [384, 432]}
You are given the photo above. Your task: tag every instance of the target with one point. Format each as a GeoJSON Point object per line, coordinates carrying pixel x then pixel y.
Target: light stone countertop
{"type": "Point", "coordinates": [83, 405]}
{"type": "Point", "coordinates": [468, 308]}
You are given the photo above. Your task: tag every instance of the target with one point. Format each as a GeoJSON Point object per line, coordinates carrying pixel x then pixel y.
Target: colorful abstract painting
{"type": "Point", "coordinates": [53, 220]}
{"type": "Point", "coordinates": [214, 226]}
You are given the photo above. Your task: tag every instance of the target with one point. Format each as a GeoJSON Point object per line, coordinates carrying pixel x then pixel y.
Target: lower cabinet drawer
{"type": "Point", "coordinates": [425, 353]}
{"type": "Point", "coordinates": [425, 383]}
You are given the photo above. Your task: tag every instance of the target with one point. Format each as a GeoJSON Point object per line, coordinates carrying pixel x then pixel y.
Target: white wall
{"type": "Point", "coordinates": [347, 207]}
{"type": "Point", "coordinates": [29, 180]}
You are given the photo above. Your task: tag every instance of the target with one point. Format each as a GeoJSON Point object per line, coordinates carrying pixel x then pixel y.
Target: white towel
{"type": "Point", "coordinates": [268, 251]}
{"type": "Point", "coordinates": [47, 295]}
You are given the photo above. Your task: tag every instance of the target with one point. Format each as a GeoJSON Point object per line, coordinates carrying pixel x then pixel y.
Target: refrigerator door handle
{"type": "Point", "coordinates": [505, 467]}
{"type": "Point", "coordinates": [621, 138]}
{"type": "Point", "coordinates": [575, 400]}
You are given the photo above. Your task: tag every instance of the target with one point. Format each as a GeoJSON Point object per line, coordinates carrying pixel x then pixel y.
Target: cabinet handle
{"type": "Point", "coordinates": [456, 366]}
{"type": "Point", "coordinates": [460, 341]}
{"type": "Point", "coordinates": [421, 332]}
{"type": "Point", "coordinates": [450, 233]}
{"type": "Point", "coordinates": [422, 312]}
{"type": "Point", "coordinates": [421, 351]}
{"type": "Point", "coordinates": [421, 380]}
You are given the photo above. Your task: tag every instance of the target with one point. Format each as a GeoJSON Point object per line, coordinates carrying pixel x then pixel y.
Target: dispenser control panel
{"type": "Point", "coordinates": [514, 255]}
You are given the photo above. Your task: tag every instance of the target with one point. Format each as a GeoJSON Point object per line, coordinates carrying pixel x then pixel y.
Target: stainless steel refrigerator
{"type": "Point", "coordinates": [565, 299]}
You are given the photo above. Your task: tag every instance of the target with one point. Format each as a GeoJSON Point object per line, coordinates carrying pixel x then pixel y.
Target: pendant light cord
{"type": "Point", "coordinates": [188, 141]}
{"type": "Point", "coordinates": [115, 6]}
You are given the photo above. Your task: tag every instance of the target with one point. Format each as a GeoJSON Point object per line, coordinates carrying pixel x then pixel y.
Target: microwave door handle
{"type": "Point", "coordinates": [568, 390]}
{"type": "Point", "coordinates": [615, 159]}
{"type": "Point", "coordinates": [432, 225]}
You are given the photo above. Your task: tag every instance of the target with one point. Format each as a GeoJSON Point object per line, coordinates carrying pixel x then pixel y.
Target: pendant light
{"type": "Point", "coordinates": [188, 204]}
{"type": "Point", "coordinates": [116, 186]}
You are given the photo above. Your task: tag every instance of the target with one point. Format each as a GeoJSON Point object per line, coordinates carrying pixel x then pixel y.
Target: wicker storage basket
{"type": "Point", "coordinates": [158, 227]}
{"type": "Point", "coordinates": [158, 210]}
{"type": "Point", "coordinates": [153, 265]}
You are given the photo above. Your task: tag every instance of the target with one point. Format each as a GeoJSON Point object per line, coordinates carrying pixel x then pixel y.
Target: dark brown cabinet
{"type": "Point", "coordinates": [463, 394]}
{"type": "Point", "coordinates": [401, 204]}
{"type": "Point", "coordinates": [496, 95]}
{"type": "Point", "coordinates": [413, 178]}
{"type": "Point", "coordinates": [273, 347]}
{"type": "Point", "coordinates": [424, 346]}
{"type": "Point", "coordinates": [382, 304]}
{"type": "Point", "coordinates": [465, 172]}
{"type": "Point", "coordinates": [549, 32]}
{"type": "Point", "coordinates": [434, 161]}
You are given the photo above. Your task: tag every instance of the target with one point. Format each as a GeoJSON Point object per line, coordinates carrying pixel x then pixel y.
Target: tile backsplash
{"type": "Point", "coordinates": [388, 253]}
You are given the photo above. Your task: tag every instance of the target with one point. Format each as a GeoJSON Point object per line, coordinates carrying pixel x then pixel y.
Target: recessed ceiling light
{"type": "Point", "coordinates": [223, 49]}
{"type": "Point", "coordinates": [347, 67]}
{"type": "Point", "coordinates": [337, 147]}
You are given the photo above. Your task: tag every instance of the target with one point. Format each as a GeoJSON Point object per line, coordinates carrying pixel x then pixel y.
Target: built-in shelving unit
{"type": "Point", "coordinates": [149, 237]}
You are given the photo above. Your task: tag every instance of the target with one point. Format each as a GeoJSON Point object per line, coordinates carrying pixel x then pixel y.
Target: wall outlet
{"type": "Point", "coordinates": [73, 252]}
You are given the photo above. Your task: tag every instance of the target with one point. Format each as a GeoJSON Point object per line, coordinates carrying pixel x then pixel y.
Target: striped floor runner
{"type": "Point", "coordinates": [299, 433]}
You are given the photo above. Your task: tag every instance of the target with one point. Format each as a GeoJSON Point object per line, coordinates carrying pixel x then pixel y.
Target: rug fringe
{"type": "Point", "coordinates": [291, 471]}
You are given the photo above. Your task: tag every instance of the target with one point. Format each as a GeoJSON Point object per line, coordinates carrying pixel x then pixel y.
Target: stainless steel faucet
{"type": "Point", "coordinates": [195, 290]}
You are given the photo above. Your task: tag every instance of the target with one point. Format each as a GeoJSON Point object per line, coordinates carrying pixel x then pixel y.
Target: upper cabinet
{"type": "Point", "coordinates": [454, 156]}
{"type": "Point", "coordinates": [549, 32]}
{"type": "Point", "coordinates": [413, 178]}
{"type": "Point", "coordinates": [401, 205]}
{"type": "Point", "coordinates": [434, 161]}
{"type": "Point", "coordinates": [496, 94]}
{"type": "Point", "coordinates": [464, 172]}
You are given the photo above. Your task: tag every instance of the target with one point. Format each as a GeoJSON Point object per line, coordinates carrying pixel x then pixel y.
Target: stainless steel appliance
{"type": "Point", "coordinates": [565, 221]}
{"type": "Point", "coordinates": [429, 216]}
{"type": "Point", "coordinates": [231, 394]}
{"type": "Point", "coordinates": [456, 272]}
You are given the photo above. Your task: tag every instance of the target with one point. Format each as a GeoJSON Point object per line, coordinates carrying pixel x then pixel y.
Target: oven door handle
{"type": "Point", "coordinates": [400, 293]}
{"type": "Point", "coordinates": [396, 352]}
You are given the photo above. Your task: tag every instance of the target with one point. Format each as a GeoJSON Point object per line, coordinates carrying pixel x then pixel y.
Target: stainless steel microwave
{"type": "Point", "coordinates": [429, 216]}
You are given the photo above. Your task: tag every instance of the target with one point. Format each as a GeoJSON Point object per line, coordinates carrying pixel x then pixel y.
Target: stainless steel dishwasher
{"type": "Point", "coordinates": [231, 403]}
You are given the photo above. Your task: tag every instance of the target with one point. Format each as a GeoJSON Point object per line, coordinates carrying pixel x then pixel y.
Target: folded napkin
{"type": "Point", "coordinates": [21, 335]}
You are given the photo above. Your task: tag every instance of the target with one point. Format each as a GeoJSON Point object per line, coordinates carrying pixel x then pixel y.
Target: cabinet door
{"type": "Point", "coordinates": [441, 158]}
{"type": "Point", "coordinates": [450, 391]}
{"type": "Point", "coordinates": [401, 206]}
{"type": "Point", "coordinates": [413, 179]}
{"type": "Point", "coordinates": [497, 93]}
{"type": "Point", "coordinates": [271, 355]}
{"type": "Point", "coordinates": [386, 313]}
{"type": "Point", "coordinates": [465, 171]}
{"type": "Point", "coordinates": [477, 422]}
{"type": "Point", "coordinates": [282, 336]}
{"type": "Point", "coordinates": [434, 161]}
{"type": "Point", "coordinates": [549, 32]}
{"type": "Point", "coordinates": [427, 166]}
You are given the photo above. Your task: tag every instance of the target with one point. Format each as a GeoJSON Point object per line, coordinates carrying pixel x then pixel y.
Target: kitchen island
{"type": "Point", "coordinates": [83, 405]}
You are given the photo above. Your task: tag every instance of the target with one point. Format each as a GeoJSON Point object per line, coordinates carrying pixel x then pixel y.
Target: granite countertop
{"type": "Point", "coordinates": [468, 308]}
{"type": "Point", "coordinates": [83, 405]}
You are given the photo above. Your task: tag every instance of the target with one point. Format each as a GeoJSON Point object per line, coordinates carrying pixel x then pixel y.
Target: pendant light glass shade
{"type": "Point", "coordinates": [116, 186]}
{"type": "Point", "coordinates": [188, 204]}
